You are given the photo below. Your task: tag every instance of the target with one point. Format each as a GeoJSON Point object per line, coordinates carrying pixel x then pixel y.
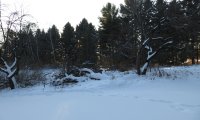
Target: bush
{"type": "Point", "coordinates": [60, 79]}
{"type": "Point", "coordinates": [28, 77]}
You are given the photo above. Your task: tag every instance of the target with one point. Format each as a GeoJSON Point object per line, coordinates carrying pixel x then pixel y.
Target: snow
{"type": "Point", "coordinates": [117, 96]}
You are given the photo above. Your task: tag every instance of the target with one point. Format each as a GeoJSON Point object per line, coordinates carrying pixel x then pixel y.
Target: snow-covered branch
{"type": "Point", "coordinates": [14, 63]}
{"type": "Point", "coordinates": [157, 38]}
{"type": "Point", "coordinates": [10, 70]}
{"type": "Point", "coordinates": [146, 41]}
{"type": "Point", "coordinates": [151, 54]}
{"type": "Point", "coordinates": [3, 70]}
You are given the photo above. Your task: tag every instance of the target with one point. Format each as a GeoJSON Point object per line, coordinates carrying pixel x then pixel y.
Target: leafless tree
{"type": "Point", "coordinates": [141, 69]}
{"type": "Point", "coordinates": [10, 25]}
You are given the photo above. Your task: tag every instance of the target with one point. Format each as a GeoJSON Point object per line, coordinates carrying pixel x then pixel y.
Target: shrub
{"type": "Point", "coordinates": [29, 77]}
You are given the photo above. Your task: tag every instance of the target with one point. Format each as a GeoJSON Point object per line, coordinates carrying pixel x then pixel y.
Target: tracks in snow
{"type": "Point", "coordinates": [182, 107]}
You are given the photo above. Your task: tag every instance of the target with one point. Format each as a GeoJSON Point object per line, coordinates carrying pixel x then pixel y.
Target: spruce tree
{"type": "Point", "coordinates": [69, 45]}
{"type": "Point", "coordinates": [86, 43]}
{"type": "Point", "coordinates": [109, 35]}
{"type": "Point", "coordinates": [53, 37]}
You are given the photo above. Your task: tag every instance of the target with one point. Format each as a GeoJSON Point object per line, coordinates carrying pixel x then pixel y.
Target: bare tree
{"type": "Point", "coordinates": [13, 24]}
{"type": "Point", "coordinates": [142, 69]}
{"type": "Point", "coordinates": [150, 25]}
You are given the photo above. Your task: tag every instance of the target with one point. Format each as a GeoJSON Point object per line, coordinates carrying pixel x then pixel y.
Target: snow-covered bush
{"type": "Point", "coordinates": [73, 76]}
{"type": "Point", "coordinates": [60, 79]}
{"type": "Point", "coordinates": [160, 72]}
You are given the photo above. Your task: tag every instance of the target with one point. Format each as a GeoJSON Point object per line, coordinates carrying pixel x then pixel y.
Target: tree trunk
{"type": "Point", "coordinates": [11, 84]}
{"type": "Point", "coordinates": [138, 62]}
{"type": "Point", "coordinates": [193, 57]}
{"type": "Point", "coordinates": [53, 49]}
{"type": "Point", "coordinates": [144, 71]}
{"type": "Point", "coordinates": [14, 82]}
{"type": "Point", "coordinates": [193, 50]}
{"type": "Point", "coordinates": [10, 70]}
{"type": "Point", "coordinates": [197, 55]}
{"type": "Point", "coordinates": [37, 50]}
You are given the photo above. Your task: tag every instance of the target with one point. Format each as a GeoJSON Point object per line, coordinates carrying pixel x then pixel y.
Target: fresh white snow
{"type": "Point", "coordinates": [117, 96]}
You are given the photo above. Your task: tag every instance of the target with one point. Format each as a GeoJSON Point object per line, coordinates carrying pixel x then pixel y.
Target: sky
{"type": "Point", "coordinates": [48, 12]}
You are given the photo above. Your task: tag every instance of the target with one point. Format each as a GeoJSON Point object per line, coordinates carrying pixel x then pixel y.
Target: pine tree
{"type": "Point", "coordinates": [192, 15]}
{"type": "Point", "coordinates": [69, 45]}
{"type": "Point", "coordinates": [86, 43]}
{"type": "Point", "coordinates": [109, 35]}
{"type": "Point", "coordinates": [53, 37]}
{"type": "Point", "coordinates": [25, 47]}
{"type": "Point", "coordinates": [44, 47]}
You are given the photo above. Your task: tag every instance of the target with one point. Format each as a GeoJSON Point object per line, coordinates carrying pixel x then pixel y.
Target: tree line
{"type": "Point", "coordinates": [138, 34]}
{"type": "Point", "coordinates": [141, 33]}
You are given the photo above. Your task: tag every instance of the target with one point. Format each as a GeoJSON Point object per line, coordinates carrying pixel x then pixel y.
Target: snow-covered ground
{"type": "Point", "coordinates": [117, 96]}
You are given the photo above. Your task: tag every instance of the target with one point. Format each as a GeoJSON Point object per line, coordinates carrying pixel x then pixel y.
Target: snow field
{"type": "Point", "coordinates": [117, 96]}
